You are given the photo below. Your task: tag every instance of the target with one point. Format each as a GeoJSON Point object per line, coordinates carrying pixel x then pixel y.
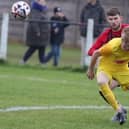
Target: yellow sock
{"type": "Point", "coordinates": [108, 94]}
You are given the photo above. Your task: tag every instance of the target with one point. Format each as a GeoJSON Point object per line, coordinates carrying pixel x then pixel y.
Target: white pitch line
{"type": "Point", "coordinates": [24, 108]}
{"type": "Point", "coordinates": [61, 107]}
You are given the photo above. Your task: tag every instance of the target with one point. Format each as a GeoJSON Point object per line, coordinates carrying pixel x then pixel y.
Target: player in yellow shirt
{"type": "Point", "coordinates": [113, 66]}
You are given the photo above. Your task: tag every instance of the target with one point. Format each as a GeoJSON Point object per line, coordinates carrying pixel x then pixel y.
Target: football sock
{"type": "Point", "coordinates": [101, 94]}
{"type": "Point", "coordinates": [108, 94]}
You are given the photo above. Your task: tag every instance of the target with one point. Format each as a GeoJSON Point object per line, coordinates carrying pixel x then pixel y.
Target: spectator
{"type": "Point", "coordinates": [57, 35]}
{"type": "Point", "coordinates": [94, 10]}
{"type": "Point", "coordinates": [37, 32]}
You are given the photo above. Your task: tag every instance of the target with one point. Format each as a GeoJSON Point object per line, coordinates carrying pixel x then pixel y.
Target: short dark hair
{"type": "Point", "coordinates": [113, 11]}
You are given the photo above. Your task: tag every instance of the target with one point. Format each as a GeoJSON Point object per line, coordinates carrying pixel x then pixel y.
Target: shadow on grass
{"type": "Point", "coordinates": [43, 67]}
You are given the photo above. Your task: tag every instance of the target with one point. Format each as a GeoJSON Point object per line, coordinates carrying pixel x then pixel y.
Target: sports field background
{"type": "Point", "coordinates": [43, 97]}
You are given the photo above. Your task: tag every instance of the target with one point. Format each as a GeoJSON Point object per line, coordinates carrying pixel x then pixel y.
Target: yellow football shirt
{"type": "Point", "coordinates": [113, 57]}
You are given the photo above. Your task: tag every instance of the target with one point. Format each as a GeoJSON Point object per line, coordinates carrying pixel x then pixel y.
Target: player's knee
{"type": "Point", "coordinates": [101, 82]}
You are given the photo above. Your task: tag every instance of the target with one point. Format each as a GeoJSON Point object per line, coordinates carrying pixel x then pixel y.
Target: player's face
{"type": "Point", "coordinates": [125, 42]}
{"type": "Point", "coordinates": [114, 22]}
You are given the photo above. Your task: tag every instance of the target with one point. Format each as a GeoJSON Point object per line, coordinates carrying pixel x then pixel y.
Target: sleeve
{"type": "Point", "coordinates": [65, 19]}
{"type": "Point", "coordinates": [100, 41]}
{"type": "Point", "coordinates": [106, 49]}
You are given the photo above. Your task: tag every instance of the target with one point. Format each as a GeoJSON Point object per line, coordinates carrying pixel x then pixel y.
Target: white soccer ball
{"type": "Point", "coordinates": [20, 9]}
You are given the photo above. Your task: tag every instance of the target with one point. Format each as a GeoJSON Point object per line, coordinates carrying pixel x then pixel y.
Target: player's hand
{"type": "Point", "coordinates": [90, 73]}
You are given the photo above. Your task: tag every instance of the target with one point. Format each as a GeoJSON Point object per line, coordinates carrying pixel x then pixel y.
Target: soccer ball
{"type": "Point", "coordinates": [20, 9]}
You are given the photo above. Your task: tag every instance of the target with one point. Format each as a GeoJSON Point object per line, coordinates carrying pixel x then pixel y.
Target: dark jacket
{"type": "Point", "coordinates": [35, 28]}
{"type": "Point", "coordinates": [58, 37]}
{"type": "Point", "coordinates": [95, 12]}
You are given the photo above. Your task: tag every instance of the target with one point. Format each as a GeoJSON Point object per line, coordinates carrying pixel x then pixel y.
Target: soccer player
{"type": "Point", "coordinates": [114, 19]}
{"type": "Point", "coordinates": [113, 64]}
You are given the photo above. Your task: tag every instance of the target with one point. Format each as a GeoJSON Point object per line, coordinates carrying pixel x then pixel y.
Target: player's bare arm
{"type": "Point", "coordinates": [90, 71]}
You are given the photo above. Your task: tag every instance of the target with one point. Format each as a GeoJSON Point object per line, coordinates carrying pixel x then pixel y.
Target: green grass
{"type": "Point", "coordinates": [36, 85]}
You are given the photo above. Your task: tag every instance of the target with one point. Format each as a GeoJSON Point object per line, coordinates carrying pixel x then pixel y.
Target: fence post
{"type": "Point", "coordinates": [89, 40]}
{"type": "Point", "coordinates": [4, 36]}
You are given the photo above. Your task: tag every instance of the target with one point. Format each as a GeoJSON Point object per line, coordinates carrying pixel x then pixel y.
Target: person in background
{"type": "Point", "coordinates": [58, 25]}
{"type": "Point", "coordinates": [113, 65]}
{"type": "Point", "coordinates": [92, 10]}
{"type": "Point", "coordinates": [37, 32]}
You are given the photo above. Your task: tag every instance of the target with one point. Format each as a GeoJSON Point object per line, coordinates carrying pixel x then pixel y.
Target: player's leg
{"type": "Point", "coordinates": [124, 81]}
{"type": "Point", "coordinates": [113, 85]}
{"type": "Point", "coordinates": [115, 118]}
{"type": "Point", "coordinates": [103, 81]}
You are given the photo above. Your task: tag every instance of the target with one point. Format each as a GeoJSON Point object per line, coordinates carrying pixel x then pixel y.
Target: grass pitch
{"type": "Point", "coordinates": [34, 85]}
